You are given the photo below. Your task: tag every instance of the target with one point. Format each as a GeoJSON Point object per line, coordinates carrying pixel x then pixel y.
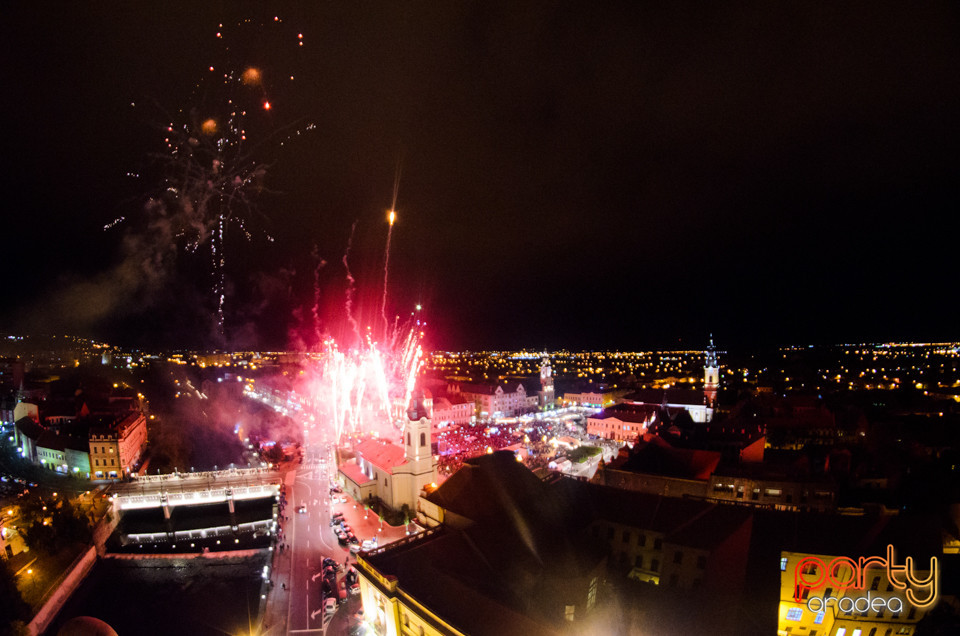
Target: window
{"type": "Point", "coordinates": [819, 619]}
{"type": "Point", "coordinates": [642, 540]}
{"type": "Point", "coordinates": [783, 564]}
{"type": "Point", "coordinates": [842, 631]}
{"type": "Point", "coordinates": [795, 614]}
{"type": "Point", "coordinates": [655, 565]}
{"type": "Point", "coordinates": [857, 632]}
{"type": "Point", "coordinates": [772, 492]}
{"type": "Point", "coordinates": [409, 443]}
{"type": "Point", "coordinates": [657, 544]}
{"type": "Point", "coordinates": [568, 612]}
{"type": "Point", "coordinates": [423, 439]}
{"type": "Point", "coordinates": [592, 593]}
{"type": "Point", "coordinates": [626, 536]}
{"type": "Point", "coordinates": [912, 614]}
{"type": "Point", "coordinates": [701, 562]}
{"type": "Point", "coordinates": [678, 557]}
{"type": "Point", "coordinates": [638, 562]}
{"type": "Point", "coordinates": [876, 583]}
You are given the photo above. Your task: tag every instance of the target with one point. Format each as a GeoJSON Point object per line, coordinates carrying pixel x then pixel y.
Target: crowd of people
{"type": "Point", "coordinates": [456, 444]}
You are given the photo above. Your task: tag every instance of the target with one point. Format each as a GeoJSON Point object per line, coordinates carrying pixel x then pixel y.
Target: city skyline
{"type": "Point", "coordinates": [608, 179]}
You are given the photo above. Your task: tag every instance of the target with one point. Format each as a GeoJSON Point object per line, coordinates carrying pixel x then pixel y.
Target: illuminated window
{"type": "Point", "coordinates": [795, 614]}
{"type": "Point", "coordinates": [819, 619]}
{"type": "Point", "coordinates": [783, 564]}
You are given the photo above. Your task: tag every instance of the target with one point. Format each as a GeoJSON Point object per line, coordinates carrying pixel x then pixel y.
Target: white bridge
{"type": "Point", "coordinates": [191, 489]}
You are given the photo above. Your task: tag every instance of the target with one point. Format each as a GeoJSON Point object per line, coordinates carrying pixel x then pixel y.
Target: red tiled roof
{"type": "Point", "coordinates": [384, 455]}
{"type": "Point", "coordinates": [352, 472]}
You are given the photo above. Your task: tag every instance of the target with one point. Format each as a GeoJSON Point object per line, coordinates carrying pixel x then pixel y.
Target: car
{"type": "Point", "coordinates": [355, 588]}
{"type": "Point", "coordinates": [342, 540]}
{"type": "Point", "coordinates": [343, 500]}
{"type": "Point", "coordinates": [352, 538]}
{"type": "Point", "coordinates": [354, 548]}
{"type": "Point", "coordinates": [370, 544]}
{"type": "Point", "coordinates": [346, 528]}
{"type": "Point", "coordinates": [331, 562]}
{"type": "Point", "coordinates": [330, 606]}
{"type": "Point", "coordinates": [302, 509]}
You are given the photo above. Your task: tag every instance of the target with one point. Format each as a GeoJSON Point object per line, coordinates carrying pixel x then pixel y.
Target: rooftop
{"type": "Point", "coordinates": [383, 454]}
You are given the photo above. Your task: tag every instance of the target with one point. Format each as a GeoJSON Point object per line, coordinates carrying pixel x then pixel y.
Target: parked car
{"type": "Point", "coordinates": [301, 509]}
{"type": "Point", "coordinates": [330, 605]}
{"type": "Point", "coordinates": [327, 561]}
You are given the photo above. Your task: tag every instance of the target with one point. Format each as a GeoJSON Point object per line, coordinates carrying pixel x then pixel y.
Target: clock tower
{"type": "Point", "coordinates": [711, 375]}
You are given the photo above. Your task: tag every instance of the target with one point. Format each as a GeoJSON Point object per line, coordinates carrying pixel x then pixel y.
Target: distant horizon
{"type": "Point", "coordinates": [720, 349]}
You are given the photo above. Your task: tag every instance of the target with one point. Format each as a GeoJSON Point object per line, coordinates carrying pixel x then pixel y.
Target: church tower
{"type": "Point", "coordinates": [416, 433]}
{"type": "Point", "coordinates": [711, 375]}
{"type": "Point", "coordinates": [547, 399]}
{"type": "Point", "coordinates": [420, 468]}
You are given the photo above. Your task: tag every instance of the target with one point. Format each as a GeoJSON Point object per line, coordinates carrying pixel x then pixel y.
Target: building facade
{"type": "Point", "coordinates": [115, 451]}
{"type": "Point", "coordinates": [499, 400]}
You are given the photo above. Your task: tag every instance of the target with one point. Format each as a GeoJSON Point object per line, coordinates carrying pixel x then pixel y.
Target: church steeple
{"type": "Point", "coordinates": [711, 375]}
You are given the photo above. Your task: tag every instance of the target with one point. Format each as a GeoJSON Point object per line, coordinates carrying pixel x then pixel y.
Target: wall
{"type": "Point", "coordinates": [71, 581]}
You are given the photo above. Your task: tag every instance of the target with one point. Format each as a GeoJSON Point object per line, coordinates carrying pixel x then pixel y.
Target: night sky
{"type": "Point", "coordinates": [571, 175]}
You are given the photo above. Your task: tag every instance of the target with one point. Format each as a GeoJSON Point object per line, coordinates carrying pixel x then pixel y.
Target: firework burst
{"type": "Point", "coordinates": [217, 152]}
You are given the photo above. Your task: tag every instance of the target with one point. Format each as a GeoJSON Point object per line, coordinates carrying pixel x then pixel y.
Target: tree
{"type": "Point", "coordinates": [13, 609]}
